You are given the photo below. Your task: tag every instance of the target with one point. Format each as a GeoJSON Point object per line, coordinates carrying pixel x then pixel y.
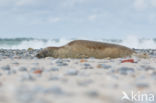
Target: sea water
{"type": "Point", "coordinates": [25, 43]}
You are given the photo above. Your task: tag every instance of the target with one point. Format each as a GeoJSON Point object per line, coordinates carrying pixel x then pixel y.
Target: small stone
{"type": "Point", "coordinates": [35, 63]}
{"type": "Point", "coordinates": [26, 77]}
{"type": "Point", "coordinates": [11, 72]}
{"type": "Point", "coordinates": [71, 72]}
{"type": "Point", "coordinates": [146, 67]}
{"type": "Point", "coordinates": [35, 69]}
{"type": "Point", "coordinates": [24, 94]}
{"type": "Point", "coordinates": [154, 75]}
{"type": "Point", "coordinates": [54, 78]}
{"type": "Point", "coordinates": [22, 69]}
{"type": "Point", "coordinates": [142, 85]}
{"type": "Point", "coordinates": [92, 94]}
{"type": "Point", "coordinates": [104, 66]}
{"type": "Point", "coordinates": [61, 63]}
{"type": "Point", "coordinates": [86, 64]}
{"type": "Point", "coordinates": [53, 69]}
{"type": "Point", "coordinates": [37, 72]}
{"type": "Point", "coordinates": [84, 82]}
{"type": "Point", "coordinates": [56, 90]}
{"type": "Point", "coordinates": [125, 70]}
{"type": "Point", "coordinates": [16, 63]}
{"type": "Point", "coordinates": [128, 61]}
{"type": "Point", "coordinates": [83, 60]}
{"type": "Point", "coordinates": [7, 67]}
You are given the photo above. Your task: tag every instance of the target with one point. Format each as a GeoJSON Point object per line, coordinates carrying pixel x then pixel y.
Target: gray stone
{"type": "Point", "coordinates": [34, 69]}
{"type": "Point", "coordinates": [56, 90]}
{"type": "Point", "coordinates": [54, 78]}
{"type": "Point", "coordinates": [92, 93]}
{"type": "Point", "coordinates": [61, 63]}
{"type": "Point", "coordinates": [87, 66]}
{"type": "Point", "coordinates": [153, 75]}
{"type": "Point", "coordinates": [24, 95]}
{"type": "Point", "coordinates": [104, 66]}
{"type": "Point", "coordinates": [16, 63]}
{"type": "Point", "coordinates": [142, 85]}
{"type": "Point", "coordinates": [71, 72]}
{"type": "Point", "coordinates": [126, 70]}
{"type": "Point", "coordinates": [84, 82]}
{"type": "Point", "coordinates": [53, 69]}
{"type": "Point", "coordinates": [22, 69]}
{"type": "Point", "coordinates": [11, 72]}
{"type": "Point", "coordinates": [7, 68]}
{"type": "Point", "coordinates": [146, 67]}
{"type": "Point", "coordinates": [26, 76]}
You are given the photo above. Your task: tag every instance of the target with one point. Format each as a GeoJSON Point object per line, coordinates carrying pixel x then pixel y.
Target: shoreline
{"type": "Point", "coordinates": [30, 53]}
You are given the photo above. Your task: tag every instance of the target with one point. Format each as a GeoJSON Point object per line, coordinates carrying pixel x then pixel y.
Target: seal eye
{"type": "Point", "coordinates": [42, 54]}
{"type": "Point", "coordinates": [38, 55]}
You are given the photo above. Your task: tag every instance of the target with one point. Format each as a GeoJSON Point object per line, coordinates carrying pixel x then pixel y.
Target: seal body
{"type": "Point", "coordinates": [86, 49]}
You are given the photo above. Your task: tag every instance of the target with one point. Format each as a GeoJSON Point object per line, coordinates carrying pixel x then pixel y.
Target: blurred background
{"type": "Point", "coordinates": [41, 23]}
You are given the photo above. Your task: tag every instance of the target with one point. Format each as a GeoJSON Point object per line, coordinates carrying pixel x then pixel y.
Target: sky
{"type": "Point", "coordinates": [77, 18]}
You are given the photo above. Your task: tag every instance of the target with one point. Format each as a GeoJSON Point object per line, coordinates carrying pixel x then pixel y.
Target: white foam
{"type": "Point", "coordinates": [36, 44]}
{"type": "Point", "coordinates": [129, 41]}
{"type": "Point", "coordinates": [135, 42]}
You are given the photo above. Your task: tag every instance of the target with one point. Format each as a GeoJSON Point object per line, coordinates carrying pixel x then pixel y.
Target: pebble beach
{"type": "Point", "coordinates": [27, 79]}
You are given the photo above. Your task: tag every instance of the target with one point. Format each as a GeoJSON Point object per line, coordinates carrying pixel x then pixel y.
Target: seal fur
{"type": "Point", "coordinates": [86, 49]}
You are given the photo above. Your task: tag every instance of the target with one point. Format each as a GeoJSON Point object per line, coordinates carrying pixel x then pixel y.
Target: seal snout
{"type": "Point", "coordinates": [42, 54]}
{"type": "Point", "coordinates": [39, 56]}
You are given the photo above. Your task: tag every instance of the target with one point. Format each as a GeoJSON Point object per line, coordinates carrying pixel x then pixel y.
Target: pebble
{"type": "Point", "coordinates": [16, 63]}
{"type": "Point", "coordinates": [22, 69]}
{"type": "Point", "coordinates": [142, 85]}
{"type": "Point", "coordinates": [7, 68]}
{"type": "Point", "coordinates": [56, 90]}
{"type": "Point", "coordinates": [37, 71]}
{"type": "Point", "coordinates": [146, 67]}
{"type": "Point", "coordinates": [34, 69]}
{"type": "Point", "coordinates": [153, 75]}
{"type": "Point", "coordinates": [61, 63]}
{"type": "Point", "coordinates": [126, 70]}
{"type": "Point", "coordinates": [71, 72]}
{"type": "Point", "coordinates": [32, 93]}
{"type": "Point", "coordinates": [104, 66]}
{"type": "Point", "coordinates": [11, 72]}
{"type": "Point", "coordinates": [87, 66]}
{"type": "Point", "coordinates": [26, 76]}
{"type": "Point", "coordinates": [17, 54]}
{"type": "Point", "coordinates": [84, 82]}
{"type": "Point", "coordinates": [24, 94]}
{"type": "Point", "coordinates": [92, 93]}
{"type": "Point", "coordinates": [54, 78]}
{"type": "Point", "coordinates": [53, 69]}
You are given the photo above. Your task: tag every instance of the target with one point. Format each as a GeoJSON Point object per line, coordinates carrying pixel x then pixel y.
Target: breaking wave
{"type": "Point", "coordinates": [25, 43]}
